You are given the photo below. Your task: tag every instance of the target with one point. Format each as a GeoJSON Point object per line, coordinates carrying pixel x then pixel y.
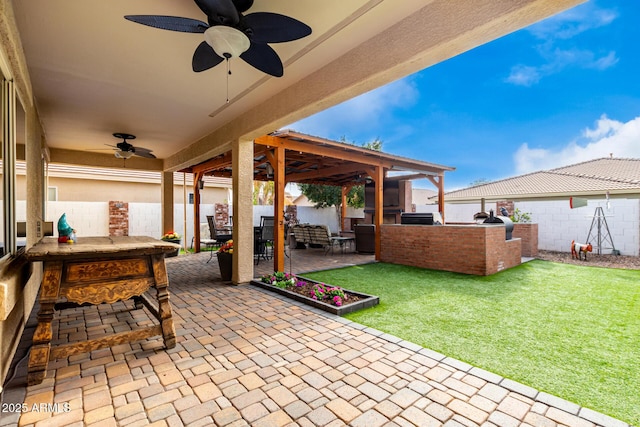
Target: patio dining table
{"type": "Point", "coordinates": [96, 270]}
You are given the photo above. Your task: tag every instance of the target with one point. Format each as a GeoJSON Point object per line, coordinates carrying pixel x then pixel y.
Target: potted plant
{"type": "Point", "coordinates": [172, 237]}
{"type": "Point", "coordinates": [225, 260]}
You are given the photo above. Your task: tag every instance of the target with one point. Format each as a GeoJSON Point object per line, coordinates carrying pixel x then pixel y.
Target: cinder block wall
{"type": "Point", "coordinates": [471, 249]}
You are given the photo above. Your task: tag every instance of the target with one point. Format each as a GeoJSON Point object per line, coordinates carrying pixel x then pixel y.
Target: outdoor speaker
{"type": "Point", "coordinates": [577, 202]}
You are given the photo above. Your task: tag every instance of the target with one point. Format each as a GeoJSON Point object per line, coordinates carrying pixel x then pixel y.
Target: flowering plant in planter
{"type": "Point", "coordinates": [227, 247]}
{"type": "Point", "coordinates": [316, 291]}
{"type": "Point", "coordinates": [334, 294]}
{"type": "Point", "coordinates": [172, 235]}
{"type": "Point", "coordinates": [280, 279]}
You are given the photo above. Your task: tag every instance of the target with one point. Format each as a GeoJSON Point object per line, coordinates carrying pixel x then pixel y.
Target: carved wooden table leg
{"type": "Point", "coordinates": [39, 355]}
{"type": "Point", "coordinates": [164, 308]}
{"type": "Point", "coordinates": [137, 302]}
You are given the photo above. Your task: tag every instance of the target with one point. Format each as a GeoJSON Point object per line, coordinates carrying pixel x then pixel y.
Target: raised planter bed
{"type": "Point", "coordinates": [361, 300]}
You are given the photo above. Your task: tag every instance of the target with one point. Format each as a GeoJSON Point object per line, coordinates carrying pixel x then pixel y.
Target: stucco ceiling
{"type": "Point", "coordinates": [94, 73]}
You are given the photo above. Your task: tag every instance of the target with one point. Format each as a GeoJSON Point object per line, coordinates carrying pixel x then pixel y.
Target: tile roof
{"type": "Point", "coordinates": [591, 178]}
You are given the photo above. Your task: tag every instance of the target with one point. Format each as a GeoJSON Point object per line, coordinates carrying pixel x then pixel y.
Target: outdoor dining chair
{"type": "Point", "coordinates": [264, 236]}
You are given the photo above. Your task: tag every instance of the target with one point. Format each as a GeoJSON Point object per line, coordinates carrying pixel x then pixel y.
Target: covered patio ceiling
{"type": "Point", "coordinates": [314, 160]}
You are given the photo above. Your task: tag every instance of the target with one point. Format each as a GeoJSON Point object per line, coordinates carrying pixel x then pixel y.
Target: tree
{"type": "Point", "coordinates": [263, 192]}
{"type": "Point", "coordinates": [325, 196]}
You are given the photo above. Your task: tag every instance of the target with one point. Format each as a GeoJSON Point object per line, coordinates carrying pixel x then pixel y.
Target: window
{"type": "Point", "coordinates": [190, 198]}
{"type": "Point", "coordinates": [12, 128]}
{"type": "Point", "coordinates": [52, 194]}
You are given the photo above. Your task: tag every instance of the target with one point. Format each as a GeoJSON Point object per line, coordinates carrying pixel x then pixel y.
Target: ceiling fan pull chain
{"type": "Point", "coordinates": [228, 74]}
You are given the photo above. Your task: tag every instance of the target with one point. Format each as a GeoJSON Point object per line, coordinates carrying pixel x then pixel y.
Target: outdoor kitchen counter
{"type": "Point", "coordinates": [480, 249]}
{"type": "Point", "coordinates": [98, 270]}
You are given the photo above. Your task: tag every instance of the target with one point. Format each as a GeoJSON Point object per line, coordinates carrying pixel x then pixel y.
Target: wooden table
{"type": "Point", "coordinates": [98, 270]}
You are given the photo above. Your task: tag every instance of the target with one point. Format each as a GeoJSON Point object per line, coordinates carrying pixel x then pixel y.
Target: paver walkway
{"type": "Point", "coordinates": [246, 357]}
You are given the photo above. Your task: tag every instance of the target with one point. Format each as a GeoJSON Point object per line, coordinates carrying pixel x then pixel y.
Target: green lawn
{"type": "Point", "coordinates": [572, 331]}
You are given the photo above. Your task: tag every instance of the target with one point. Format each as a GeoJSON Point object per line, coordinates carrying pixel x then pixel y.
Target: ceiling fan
{"type": "Point", "coordinates": [229, 33]}
{"type": "Point", "coordinates": [124, 150]}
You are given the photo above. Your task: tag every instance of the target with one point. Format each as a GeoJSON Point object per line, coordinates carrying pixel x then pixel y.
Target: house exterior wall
{"type": "Point", "coordinates": [558, 224]}
{"type": "Point", "coordinates": [95, 190]}
{"type": "Point", "coordinates": [18, 289]}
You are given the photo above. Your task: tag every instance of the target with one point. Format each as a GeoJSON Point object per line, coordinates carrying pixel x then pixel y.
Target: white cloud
{"type": "Point", "coordinates": [523, 75]}
{"type": "Point", "coordinates": [573, 22]}
{"type": "Point", "coordinates": [558, 60]}
{"type": "Point", "coordinates": [606, 137]}
{"type": "Point", "coordinates": [553, 32]}
{"type": "Point", "coordinates": [364, 111]}
{"type": "Point", "coordinates": [604, 128]}
{"type": "Point", "coordinates": [605, 62]}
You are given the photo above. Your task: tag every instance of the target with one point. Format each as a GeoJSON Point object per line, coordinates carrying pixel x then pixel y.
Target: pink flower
{"type": "Point", "coordinates": [337, 301]}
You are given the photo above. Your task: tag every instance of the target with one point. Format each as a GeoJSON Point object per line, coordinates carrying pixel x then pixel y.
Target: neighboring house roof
{"type": "Point", "coordinates": [302, 200]}
{"type": "Point", "coordinates": [593, 178]}
{"type": "Point", "coordinates": [59, 170]}
{"type": "Point", "coordinates": [423, 196]}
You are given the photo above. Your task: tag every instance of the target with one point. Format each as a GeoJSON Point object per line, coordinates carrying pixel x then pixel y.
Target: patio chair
{"type": "Point", "coordinates": [205, 237]}
{"type": "Point", "coordinates": [219, 236]}
{"type": "Point", "coordinates": [206, 240]}
{"type": "Point", "coordinates": [264, 242]}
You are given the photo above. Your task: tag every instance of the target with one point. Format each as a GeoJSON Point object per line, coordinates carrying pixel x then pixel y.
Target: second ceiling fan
{"type": "Point", "coordinates": [229, 33]}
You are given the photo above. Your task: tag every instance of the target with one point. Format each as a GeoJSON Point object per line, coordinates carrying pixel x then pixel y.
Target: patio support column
{"type": "Point", "coordinates": [278, 207]}
{"type": "Point", "coordinates": [196, 212]}
{"type": "Point", "coordinates": [343, 206]}
{"type": "Point", "coordinates": [242, 164]}
{"type": "Point", "coordinates": [379, 208]}
{"type": "Point", "coordinates": [439, 182]}
{"type": "Point", "coordinates": [167, 202]}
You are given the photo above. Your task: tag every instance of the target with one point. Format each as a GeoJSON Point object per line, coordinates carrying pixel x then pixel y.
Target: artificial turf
{"type": "Point", "coordinates": [571, 331]}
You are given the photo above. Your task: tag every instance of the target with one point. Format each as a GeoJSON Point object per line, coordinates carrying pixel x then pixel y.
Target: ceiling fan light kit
{"type": "Point", "coordinates": [123, 154]}
{"type": "Point", "coordinates": [227, 42]}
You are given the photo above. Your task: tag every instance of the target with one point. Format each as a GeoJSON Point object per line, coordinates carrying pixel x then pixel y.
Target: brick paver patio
{"type": "Point", "coordinates": [246, 357]}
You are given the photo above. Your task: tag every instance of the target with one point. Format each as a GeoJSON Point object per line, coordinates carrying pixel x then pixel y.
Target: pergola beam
{"type": "Point", "coordinates": [323, 173]}
{"type": "Point", "coordinates": [342, 153]}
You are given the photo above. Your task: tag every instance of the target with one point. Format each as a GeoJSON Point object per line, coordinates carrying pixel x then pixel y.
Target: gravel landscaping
{"type": "Point", "coordinates": [594, 260]}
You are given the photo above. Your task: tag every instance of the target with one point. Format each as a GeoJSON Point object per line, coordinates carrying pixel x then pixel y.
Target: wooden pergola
{"type": "Point", "coordinates": [288, 156]}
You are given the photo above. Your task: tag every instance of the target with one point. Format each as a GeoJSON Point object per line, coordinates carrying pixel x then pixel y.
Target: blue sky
{"type": "Point", "coordinates": [562, 91]}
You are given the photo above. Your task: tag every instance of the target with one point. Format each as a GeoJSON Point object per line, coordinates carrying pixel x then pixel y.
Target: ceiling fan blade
{"type": "Point", "coordinates": [243, 5]}
{"type": "Point", "coordinates": [172, 23]}
{"type": "Point", "coordinates": [204, 58]}
{"type": "Point", "coordinates": [219, 12]}
{"type": "Point", "coordinates": [144, 152]}
{"type": "Point", "coordinates": [275, 28]}
{"type": "Point", "coordinates": [264, 58]}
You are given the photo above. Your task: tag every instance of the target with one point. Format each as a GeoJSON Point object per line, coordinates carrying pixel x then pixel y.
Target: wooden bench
{"type": "Point", "coordinates": [314, 235]}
